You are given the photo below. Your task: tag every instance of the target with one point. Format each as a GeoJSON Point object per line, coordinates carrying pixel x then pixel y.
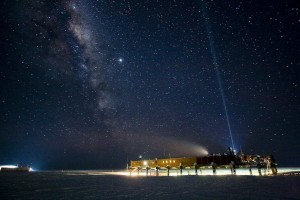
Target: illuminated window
{"type": "Point", "coordinates": [166, 161]}
{"type": "Point", "coordinates": [173, 161]}
{"type": "Point", "coordinates": [163, 161]}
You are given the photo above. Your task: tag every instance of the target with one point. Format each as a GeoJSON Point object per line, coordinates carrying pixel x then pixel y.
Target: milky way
{"type": "Point", "coordinates": [93, 84]}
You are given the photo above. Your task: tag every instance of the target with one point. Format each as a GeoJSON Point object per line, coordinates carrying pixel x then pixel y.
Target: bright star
{"type": "Point", "coordinates": [120, 60]}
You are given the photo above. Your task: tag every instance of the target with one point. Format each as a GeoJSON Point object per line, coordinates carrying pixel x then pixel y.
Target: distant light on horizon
{"type": "Point", "coordinates": [8, 166]}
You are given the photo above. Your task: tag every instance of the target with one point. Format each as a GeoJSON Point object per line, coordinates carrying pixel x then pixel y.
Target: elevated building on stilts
{"type": "Point", "coordinates": [214, 162]}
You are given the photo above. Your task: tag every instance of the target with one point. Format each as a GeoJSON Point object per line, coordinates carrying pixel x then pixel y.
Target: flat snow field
{"type": "Point", "coordinates": [118, 185]}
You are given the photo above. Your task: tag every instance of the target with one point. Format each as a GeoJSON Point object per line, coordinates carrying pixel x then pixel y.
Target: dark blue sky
{"type": "Point", "coordinates": [92, 84]}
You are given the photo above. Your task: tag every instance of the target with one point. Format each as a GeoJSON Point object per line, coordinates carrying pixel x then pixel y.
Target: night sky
{"type": "Point", "coordinates": [92, 84]}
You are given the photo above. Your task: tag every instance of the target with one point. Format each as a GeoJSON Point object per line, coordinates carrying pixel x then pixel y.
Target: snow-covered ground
{"type": "Point", "coordinates": [119, 185]}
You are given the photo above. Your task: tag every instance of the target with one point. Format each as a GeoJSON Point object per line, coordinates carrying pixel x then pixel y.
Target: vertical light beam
{"type": "Point", "coordinates": [216, 66]}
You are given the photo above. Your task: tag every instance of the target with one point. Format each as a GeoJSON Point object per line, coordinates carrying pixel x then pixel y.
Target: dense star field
{"type": "Point", "coordinates": [93, 84]}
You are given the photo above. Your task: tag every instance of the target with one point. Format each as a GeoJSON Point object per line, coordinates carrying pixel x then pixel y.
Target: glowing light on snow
{"type": "Point", "coordinates": [176, 172]}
